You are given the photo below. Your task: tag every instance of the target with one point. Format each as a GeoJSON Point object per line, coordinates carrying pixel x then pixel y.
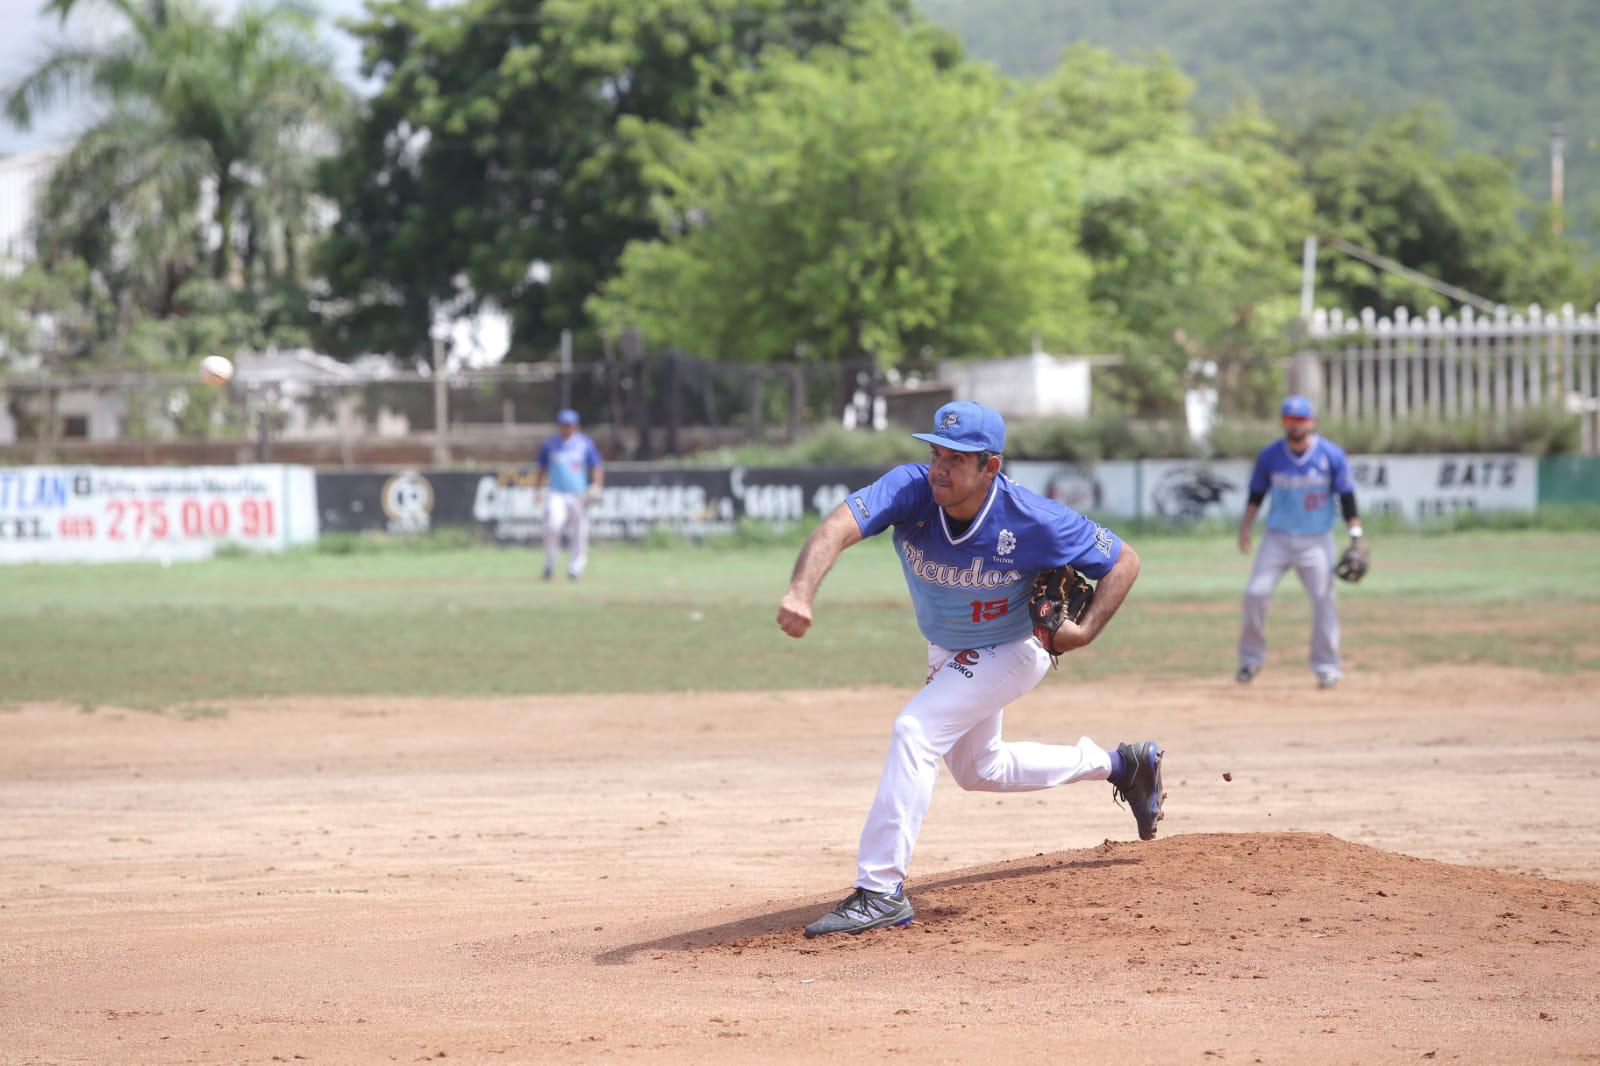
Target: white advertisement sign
{"type": "Point", "coordinates": [1418, 487]}
{"type": "Point", "coordinates": [1412, 487]}
{"type": "Point", "coordinates": [108, 514]}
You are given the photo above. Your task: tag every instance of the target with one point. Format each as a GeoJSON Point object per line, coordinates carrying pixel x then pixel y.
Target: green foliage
{"type": "Point", "coordinates": [204, 126]}
{"type": "Point", "coordinates": [1191, 234]}
{"type": "Point", "coordinates": [58, 313]}
{"type": "Point", "coordinates": [493, 143]}
{"type": "Point", "coordinates": [831, 446]}
{"type": "Point", "coordinates": [865, 202]}
{"type": "Point", "coordinates": [1504, 71]}
{"type": "Point", "coordinates": [1397, 187]}
{"type": "Point", "coordinates": [1083, 440]}
{"type": "Point", "coordinates": [1087, 440]}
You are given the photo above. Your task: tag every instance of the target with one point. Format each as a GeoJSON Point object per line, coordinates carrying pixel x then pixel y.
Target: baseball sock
{"type": "Point", "coordinates": [1117, 766]}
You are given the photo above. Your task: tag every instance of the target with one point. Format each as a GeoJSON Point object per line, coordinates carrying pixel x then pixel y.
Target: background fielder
{"type": "Point", "coordinates": [970, 542]}
{"type": "Point", "coordinates": [1302, 473]}
{"type": "Point", "coordinates": [568, 460]}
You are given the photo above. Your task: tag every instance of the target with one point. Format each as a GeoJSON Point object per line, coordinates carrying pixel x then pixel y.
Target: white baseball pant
{"type": "Point", "coordinates": [1311, 556]}
{"type": "Point", "coordinates": [563, 510]}
{"type": "Point", "coordinates": [957, 717]}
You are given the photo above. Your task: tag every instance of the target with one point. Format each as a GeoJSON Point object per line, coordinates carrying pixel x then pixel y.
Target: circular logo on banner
{"type": "Point", "coordinates": [1076, 487]}
{"type": "Point", "coordinates": [407, 499]}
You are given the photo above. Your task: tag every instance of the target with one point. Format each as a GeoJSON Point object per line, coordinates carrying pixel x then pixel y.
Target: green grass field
{"type": "Point", "coordinates": [477, 621]}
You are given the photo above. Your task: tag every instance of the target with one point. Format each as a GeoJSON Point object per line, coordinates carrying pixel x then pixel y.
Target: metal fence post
{"type": "Point", "coordinates": [441, 407]}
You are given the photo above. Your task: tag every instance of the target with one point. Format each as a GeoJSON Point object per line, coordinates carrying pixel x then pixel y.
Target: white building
{"type": "Point", "coordinates": [1023, 386]}
{"type": "Point", "coordinates": [22, 183]}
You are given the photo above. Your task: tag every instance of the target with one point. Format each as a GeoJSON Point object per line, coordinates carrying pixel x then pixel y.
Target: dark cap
{"type": "Point", "coordinates": [965, 426]}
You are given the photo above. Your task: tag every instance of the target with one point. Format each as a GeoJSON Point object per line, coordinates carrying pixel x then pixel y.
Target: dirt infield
{"type": "Point", "coordinates": [1405, 868]}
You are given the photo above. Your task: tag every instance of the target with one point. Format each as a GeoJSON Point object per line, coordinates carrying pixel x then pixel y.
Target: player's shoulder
{"type": "Point", "coordinates": [1026, 504]}
{"type": "Point", "coordinates": [1330, 449]}
{"type": "Point", "coordinates": [1270, 451]}
{"type": "Point", "coordinates": [907, 483]}
{"type": "Point", "coordinates": [905, 473]}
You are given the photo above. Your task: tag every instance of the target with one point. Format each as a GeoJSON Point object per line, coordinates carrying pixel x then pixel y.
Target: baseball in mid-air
{"type": "Point", "coordinates": [216, 370]}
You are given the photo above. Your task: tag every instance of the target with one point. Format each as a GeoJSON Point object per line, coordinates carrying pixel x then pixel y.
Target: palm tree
{"type": "Point", "coordinates": [207, 142]}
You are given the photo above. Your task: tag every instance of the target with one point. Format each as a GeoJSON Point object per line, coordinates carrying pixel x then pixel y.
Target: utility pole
{"type": "Point", "coordinates": [566, 368]}
{"type": "Point", "coordinates": [1558, 174]}
{"type": "Point", "coordinates": [1308, 277]}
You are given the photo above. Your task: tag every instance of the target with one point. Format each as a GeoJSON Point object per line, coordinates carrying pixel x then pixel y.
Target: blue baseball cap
{"type": "Point", "coordinates": [1297, 407]}
{"type": "Point", "coordinates": [965, 426]}
{"type": "Point", "coordinates": [567, 417]}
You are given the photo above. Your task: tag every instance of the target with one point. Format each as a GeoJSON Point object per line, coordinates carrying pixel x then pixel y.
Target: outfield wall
{"type": "Point", "coordinates": [693, 501]}
{"type": "Point", "coordinates": [108, 514]}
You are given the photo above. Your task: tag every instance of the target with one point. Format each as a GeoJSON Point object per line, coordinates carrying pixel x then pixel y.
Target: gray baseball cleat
{"type": "Point", "coordinates": [1327, 679]}
{"type": "Point", "coordinates": [1140, 785]}
{"type": "Point", "coordinates": [1246, 674]}
{"type": "Point", "coordinates": [864, 909]}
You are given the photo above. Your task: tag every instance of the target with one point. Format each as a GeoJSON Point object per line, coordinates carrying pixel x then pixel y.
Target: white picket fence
{"type": "Point", "coordinates": [1387, 370]}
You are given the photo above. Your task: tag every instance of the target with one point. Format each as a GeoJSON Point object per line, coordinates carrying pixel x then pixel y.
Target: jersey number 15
{"type": "Point", "coordinates": [988, 610]}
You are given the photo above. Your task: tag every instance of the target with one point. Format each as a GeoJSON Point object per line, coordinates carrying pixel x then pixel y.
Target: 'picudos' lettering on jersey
{"type": "Point", "coordinates": [1301, 489]}
{"type": "Point", "coordinates": [973, 577]}
{"type": "Point", "coordinates": [971, 589]}
{"type": "Point", "coordinates": [569, 461]}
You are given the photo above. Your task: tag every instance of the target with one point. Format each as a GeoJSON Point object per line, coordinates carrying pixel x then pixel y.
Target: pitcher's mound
{"type": "Point", "coordinates": [1251, 906]}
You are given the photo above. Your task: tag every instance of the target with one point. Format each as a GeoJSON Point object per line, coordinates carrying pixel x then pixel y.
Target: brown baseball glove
{"type": "Point", "coordinates": [1060, 594]}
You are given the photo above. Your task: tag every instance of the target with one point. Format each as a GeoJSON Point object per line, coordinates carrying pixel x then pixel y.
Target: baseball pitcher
{"type": "Point", "coordinates": [571, 464]}
{"type": "Point", "coordinates": [981, 557]}
{"type": "Point", "coordinates": [1302, 473]}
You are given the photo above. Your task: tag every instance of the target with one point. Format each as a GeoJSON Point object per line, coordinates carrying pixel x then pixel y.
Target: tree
{"type": "Point", "coordinates": [864, 202]}
{"type": "Point", "coordinates": [1192, 235]}
{"type": "Point", "coordinates": [1501, 72]}
{"type": "Point", "coordinates": [204, 151]}
{"type": "Point", "coordinates": [488, 165]}
{"type": "Point", "coordinates": [1395, 186]}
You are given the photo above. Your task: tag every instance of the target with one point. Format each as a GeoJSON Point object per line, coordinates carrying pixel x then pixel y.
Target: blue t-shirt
{"type": "Point", "coordinates": [970, 590]}
{"type": "Point", "coordinates": [569, 461]}
{"type": "Point", "coordinates": [1301, 488]}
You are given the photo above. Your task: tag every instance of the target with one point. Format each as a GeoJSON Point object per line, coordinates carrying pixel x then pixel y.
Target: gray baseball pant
{"type": "Point", "coordinates": [1311, 556]}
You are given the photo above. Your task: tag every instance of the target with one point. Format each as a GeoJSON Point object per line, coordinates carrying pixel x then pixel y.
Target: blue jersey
{"type": "Point", "coordinates": [569, 461]}
{"type": "Point", "coordinates": [970, 589]}
{"type": "Point", "coordinates": [1301, 488]}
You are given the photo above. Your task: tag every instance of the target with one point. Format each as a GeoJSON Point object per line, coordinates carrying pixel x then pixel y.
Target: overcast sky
{"type": "Point", "coordinates": [26, 37]}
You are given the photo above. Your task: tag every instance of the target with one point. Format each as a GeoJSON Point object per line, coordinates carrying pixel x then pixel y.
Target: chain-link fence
{"type": "Point", "coordinates": [305, 408]}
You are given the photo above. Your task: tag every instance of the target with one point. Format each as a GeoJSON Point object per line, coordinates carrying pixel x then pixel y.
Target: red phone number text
{"type": "Point", "coordinates": [137, 519]}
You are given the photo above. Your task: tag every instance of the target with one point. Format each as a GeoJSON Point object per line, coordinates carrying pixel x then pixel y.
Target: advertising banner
{"type": "Point", "coordinates": [504, 505]}
{"type": "Point", "coordinates": [109, 514]}
{"type": "Point", "coordinates": [1181, 491]}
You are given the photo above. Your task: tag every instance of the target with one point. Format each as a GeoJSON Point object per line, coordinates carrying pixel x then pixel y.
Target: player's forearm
{"type": "Point", "coordinates": [1352, 516]}
{"type": "Point", "coordinates": [821, 550]}
{"type": "Point", "coordinates": [1248, 520]}
{"type": "Point", "coordinates": [1110, 591]}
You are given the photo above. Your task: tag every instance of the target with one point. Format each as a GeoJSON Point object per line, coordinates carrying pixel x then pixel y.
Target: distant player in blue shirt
{"type": "Point", "coordinates": [572, 466]}
{"type": "Point", "coordinates": [1303, 475]}
{"type": "Point", "coordinates": [970, 541]}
